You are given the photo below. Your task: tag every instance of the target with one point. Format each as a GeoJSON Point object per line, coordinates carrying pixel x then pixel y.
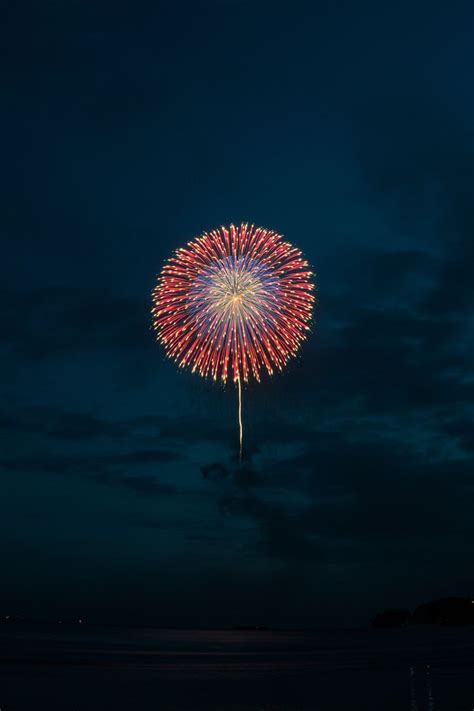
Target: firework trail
{"type": "Point", "coordinates": [234, 302]}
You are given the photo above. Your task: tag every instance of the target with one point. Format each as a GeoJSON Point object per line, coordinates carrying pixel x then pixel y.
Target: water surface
{"type": "Point", "coordinates": [64, 667]}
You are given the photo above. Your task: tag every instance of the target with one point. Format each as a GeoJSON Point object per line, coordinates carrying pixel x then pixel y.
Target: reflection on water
{"type": "Point", "coordinates": [429, 688]}
{"type": "Point", "coordinates": [426, 693]}
{"type": "Point", "coordinates": [413, 704]}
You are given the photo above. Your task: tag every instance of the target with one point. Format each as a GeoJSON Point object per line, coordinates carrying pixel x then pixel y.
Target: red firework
{"type": "Point", "coordinates": [236, 300]}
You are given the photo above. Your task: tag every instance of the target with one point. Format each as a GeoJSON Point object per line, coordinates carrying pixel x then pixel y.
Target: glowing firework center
{"type": "Point", "coordinates": [234, 298]}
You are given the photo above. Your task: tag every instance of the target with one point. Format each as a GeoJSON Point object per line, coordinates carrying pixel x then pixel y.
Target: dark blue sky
{"type": "Point", "coordinates": [128, 128]}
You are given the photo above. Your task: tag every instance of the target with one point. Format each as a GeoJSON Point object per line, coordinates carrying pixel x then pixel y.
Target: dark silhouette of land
{"type": "Point", "coordinates": [458, 611]}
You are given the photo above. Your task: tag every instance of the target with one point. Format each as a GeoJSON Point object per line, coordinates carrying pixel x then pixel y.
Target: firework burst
{"type": "Point", "coordinates": [235, 302]}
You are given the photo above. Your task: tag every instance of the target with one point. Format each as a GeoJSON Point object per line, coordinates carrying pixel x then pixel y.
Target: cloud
{"type": "Point", "coordinates": [54, 322]}
{"type": "Point", "coordinates": [59, 463]}
{"type": "Point", "coordinates": [69, 426]}
{"type": "Point", "coordinates": [60, 424]}
{"type": "Point", "coordinates": [106, 469]}
{"type": "Point", "coordinates": [281, 532]}
{"type": "Point", "coordinates": [373, 499]}
{"type": "Point", "coordinates": [215, 472]}
{"type": "Point", "coordinates": [140, 484]}
{"type": "Point", "coordinates": [145, 456]}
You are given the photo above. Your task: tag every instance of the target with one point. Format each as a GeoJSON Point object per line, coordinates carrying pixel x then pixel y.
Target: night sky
{"type": "Point", "coordinates": [127, 128]}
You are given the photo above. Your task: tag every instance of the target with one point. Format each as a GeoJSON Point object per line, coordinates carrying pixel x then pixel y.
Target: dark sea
{"type": "Point", "coordinates": [62, 667]}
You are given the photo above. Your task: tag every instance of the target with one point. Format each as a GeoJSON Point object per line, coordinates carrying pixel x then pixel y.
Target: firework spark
{"type": "Point", "coordinates": [234, 302]}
